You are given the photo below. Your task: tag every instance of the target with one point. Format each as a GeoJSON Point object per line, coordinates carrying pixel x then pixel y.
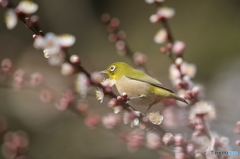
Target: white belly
{"type": "Point", "coordinates": [138, 91]}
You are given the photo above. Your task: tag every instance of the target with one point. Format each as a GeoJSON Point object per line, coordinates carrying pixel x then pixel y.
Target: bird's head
{"type": "Point", "coordinates": [116, 70]}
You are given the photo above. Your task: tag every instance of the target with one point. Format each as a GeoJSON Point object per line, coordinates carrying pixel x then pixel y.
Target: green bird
{"type": "Point", "coordinates": [141, 89]}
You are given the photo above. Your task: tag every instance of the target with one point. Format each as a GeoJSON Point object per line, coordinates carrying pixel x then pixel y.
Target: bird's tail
{"type": "Point", "coordinates": [178, 98]}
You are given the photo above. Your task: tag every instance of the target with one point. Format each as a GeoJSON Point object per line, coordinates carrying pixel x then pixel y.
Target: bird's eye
{"type": "Point", "coordinates": [112, 68]}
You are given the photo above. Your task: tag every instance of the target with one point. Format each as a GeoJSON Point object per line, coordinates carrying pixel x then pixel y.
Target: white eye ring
{"type": "Point", "coordinates": [112, 68]}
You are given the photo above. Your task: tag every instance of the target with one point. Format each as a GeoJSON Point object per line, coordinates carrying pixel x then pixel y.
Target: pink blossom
{"type": "Point", "coordinates": [6, 65]}
{"type": "Point", "coordinates": [45, 96]}
{"type": "Point", "coordinates": [18, 79]}
{"type": "Point", "coordinates": [14, 143]}
{"type": "Point", "coordinates": [178, 48]}
{"type": "Point", "coordinates": [110, 121]}
{"type": "Point", "coordinates": [82, 85]}
{"type": "Point", "coordinates": [168, 138]}
{"type": "Point", "coordinates": [67, 69]}
{"type": "Point", "coordinates": [92, 120]}
{"type": "Point", "coordinates": [65, 100]}
{"type": "Point", "coordinates": [153, 140]}
{"type": "Point", "coordinates": [134, 140]}
{"type": "Point", "coordinates": [108, 84]}
{"type": "Point", "coordinates": [161, 36]}
{"type": "Point", "coordinates": [97, 77]}
{"type": "Point", "coordinates": [82, 105]}
{"type": "Point", "coordinates": [155, 117]}
{"type": "Point", "coordinates": [131, 117]}
{"type": "Point", "coordinates": [36, 79]}
{"type": "Point", "coordinates": [139, 58]}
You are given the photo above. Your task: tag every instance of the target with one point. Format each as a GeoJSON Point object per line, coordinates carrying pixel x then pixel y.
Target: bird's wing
{"type": "Point", "coordinates": [149, 80]}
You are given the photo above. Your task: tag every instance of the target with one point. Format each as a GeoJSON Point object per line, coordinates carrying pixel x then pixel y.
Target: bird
{"type": "Point", "coordinates": [141, 89]}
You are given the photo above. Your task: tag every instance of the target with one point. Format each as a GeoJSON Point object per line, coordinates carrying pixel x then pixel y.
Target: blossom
{"type": "Point", "coordinates": [11, 19]}
{"type": "Point", "coordinates": [82, 105]}
{"type": "Point", "coordinates": [14, 143]}
{"type": "Point", "coordinates": [131, 117]}
{"type": "Point", "coordinates": [27, 7]}
{"type": "Point", "coordinates": [53, 43]}
{"type": "Point", "coordinates": [155, 117]}
{"type": "Point", "coordinates": [55, 59]}
{"type": "Point", "coordinates": [166, 12]}
{"type": "Point", "coordinates": [67, 69]}
{"type": "Point", "coordinates": [110, 121]}
{"type": "Point", "coordinates": [108, 84]}
{"type": "Point", "coordinates": [36, 79]}
{"type": "Point", "coordinates": [168, 138]}
{"type": "Point", "coordinates": [139, 58]}
{"type": "Point", "coordinates": [113, 103]}
{"type": "Point", "coordinates": [66, 40]}
{"type": "Point", "coordinates": [161, 36]}
{"type": "Point", "coordinates": [202, 108]}
{"type": "Point", "coordinates": [18, 79]}
{"type": "Point", "coordinates": [153, 140]}
{"type": "Point", "coordinates": [133, 140]}
{"type": "Point", "coordinates": [65, 100]}
{"type": "Point", "coordinates": [100, 95]}
{"type": "Point", "coordinates": [82, 85]}
{"type": "Point", "coordinates": [92, 120]}
{"type": "Point", "coordinates": [6, 65]}
{"type": "Point", "coordinates": [178, 47]}
{"type": "Point", "coordinates": [96, 77]}
{"type": "Point", "coordinates": [188, 69]}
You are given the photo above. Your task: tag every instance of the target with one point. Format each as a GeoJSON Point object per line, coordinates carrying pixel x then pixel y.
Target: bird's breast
{"type": "Point", "coordinates": [135, 89]}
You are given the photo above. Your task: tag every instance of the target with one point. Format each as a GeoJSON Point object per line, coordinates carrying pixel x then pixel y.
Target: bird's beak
{"type": "Point", "coordinates": [104, 71]}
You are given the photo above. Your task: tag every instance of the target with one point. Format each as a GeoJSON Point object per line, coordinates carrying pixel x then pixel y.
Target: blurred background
{"type": "Point", "coordinates": [211, 30]}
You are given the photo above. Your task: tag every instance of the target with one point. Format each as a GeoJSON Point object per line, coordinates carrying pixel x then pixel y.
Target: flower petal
{"type": "Point", "coordinates": [11, 19]}
{"type": "Point", "coordinates": [66, 40]}
{"type": "Point", "coordinates": [27, 7]}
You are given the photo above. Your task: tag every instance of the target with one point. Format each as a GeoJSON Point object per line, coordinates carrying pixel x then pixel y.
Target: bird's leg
{"type": "Point", "coordinates": [137, 97]}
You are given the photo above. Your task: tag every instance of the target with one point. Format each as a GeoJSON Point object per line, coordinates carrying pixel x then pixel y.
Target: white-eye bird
{"type": "Point", "coordinates": [142, 89]}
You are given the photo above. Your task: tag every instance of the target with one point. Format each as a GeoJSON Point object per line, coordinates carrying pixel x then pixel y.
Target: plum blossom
{"type": "Point", "coordinates": [25, 7]}
{"type": "Point", "coordinates": [52, 43]}
{"type": "Point", "coordinates": [178, 47]}
{"type": "Point", "coordinates": [65, 100]}
{"type": "Point", "coordinates": [100, 95]}
{"type": "Point", "coordinates": [139, 58]}
{"type": "Point", "coordinates": [67, 69]}
{"type": "Point", "coordinates": [168, 138]}
{"type": "Point", "coordinates": [82, 105]}
{"type": "Point", "coordinates": [19, 77]}
{"type": "Point", "coordinates": [155, 117]}
{"type": "Point", "coordinates": [161, 36]}
{"type": "Point", "coordinates": [108, 84]}
{"type": "Point", "coordinates": [92, 120]}
{"type": "Point", "coordinates": [14, 143]}
{"type": "Point", "coordinates": [11, 19]}
{"type": "Point", "coordinates": [152, 1]}
{"type": "Point", "coordinates": [82, 85]}
{"type": "Point", "coordinates": [36, 79]}
{"type": "Point", "coordinates": [6, 65]}
{"type": "Point", "coordinates": [166, 12]}
{"type": "Point", "coordinates": [131, 117]}
{"type": "Point", "coordinates": [202, 108]}
{"type": "Point", "coordinates": [97, 77]}
{"type": "Point", "coordinates": [110, 121]}
{"type": "Point", "coordinates": [153, 140]}
{"type": "Point", "coordinates": [133, 140]}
